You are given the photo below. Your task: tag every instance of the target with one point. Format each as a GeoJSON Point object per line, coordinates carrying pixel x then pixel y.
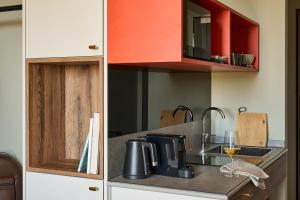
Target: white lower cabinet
{"type": "Point", "coordinates": [118, 193]}
{"type": "Point", "coordinates": [53, 187]}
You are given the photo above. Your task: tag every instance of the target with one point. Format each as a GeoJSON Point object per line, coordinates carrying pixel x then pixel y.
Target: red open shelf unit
{"type": "Point", "coordinates": [150, 34]}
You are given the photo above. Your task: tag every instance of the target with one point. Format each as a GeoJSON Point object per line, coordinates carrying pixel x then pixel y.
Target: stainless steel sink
{"type": "Point", "coordinates": [245, 151]}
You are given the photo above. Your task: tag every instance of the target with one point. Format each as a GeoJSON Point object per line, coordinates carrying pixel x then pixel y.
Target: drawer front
{"type": "Point", "coordinates": [247, 193]}
{"type": "Point", "coordinates": [277, 173]}
{"type": "Point", "coordinates": [117, 193]}
{"type": "Point", "coordinates": [54, 187]}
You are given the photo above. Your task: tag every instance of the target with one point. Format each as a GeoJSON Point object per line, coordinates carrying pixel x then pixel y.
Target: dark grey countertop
{"type": "Point", "coordinates": [208, 179]}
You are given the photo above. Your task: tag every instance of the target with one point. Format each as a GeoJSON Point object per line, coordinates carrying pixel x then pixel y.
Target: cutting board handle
{"type": "Point", "coordinates": [242, 109]}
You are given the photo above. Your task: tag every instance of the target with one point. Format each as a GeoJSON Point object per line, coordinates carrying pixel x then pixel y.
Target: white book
{"type": "Point", "coordinates": [90, 146]}
{"type": "Point", "coordinates": [95, 144]}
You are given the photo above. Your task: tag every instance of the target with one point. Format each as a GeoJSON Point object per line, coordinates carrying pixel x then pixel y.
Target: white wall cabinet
{"type": "Point", "coordinates": [117, 193]}
{"type": "Point", "coordinates": [52, 187]}
{"type": "Point", "coordinates": [63, 28]}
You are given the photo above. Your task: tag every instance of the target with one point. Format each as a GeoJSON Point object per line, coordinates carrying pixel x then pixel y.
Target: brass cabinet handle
{"type": "Point", "coordinates": [93, 47]}
{"type": "Point", "coordinates": [247, 195]}
{"type": "Point", "coordinates": [93, 189]}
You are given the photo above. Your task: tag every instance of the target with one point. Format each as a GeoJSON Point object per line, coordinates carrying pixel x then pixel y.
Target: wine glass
{"type": "Point", "coordinates": [231, 149]}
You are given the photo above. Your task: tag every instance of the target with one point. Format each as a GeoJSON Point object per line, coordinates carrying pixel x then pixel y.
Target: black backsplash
{"type": "Point", "coordinates": [136, 97]}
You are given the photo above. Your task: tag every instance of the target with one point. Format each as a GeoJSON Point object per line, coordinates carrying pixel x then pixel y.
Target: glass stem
{"type": "Point", "coordinates": [232, 166]}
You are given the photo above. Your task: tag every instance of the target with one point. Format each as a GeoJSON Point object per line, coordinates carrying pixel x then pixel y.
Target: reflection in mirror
{"type": "Point", "coordinates": [140, 100]}
{"type": "Point", "coordinates": [197, 31]}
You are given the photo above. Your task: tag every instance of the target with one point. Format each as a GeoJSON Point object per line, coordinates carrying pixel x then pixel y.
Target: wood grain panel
{"type": "Point", "coordinates": [46, 106]}
{"type": "Point", "coordinates": [81, 91]}
{"type": "Point", "coordinates": [66, 60]}
{"type": "Point", "coordinates": [252, 129]}
{"type": "Point", "coordinates": [167, 119]}
{"type": "Point", "coordinates": [61, 98]}
{"type": "Point", "coordinates": [100, 97]}
{"type": "Point", "coordinates": [35, 117]}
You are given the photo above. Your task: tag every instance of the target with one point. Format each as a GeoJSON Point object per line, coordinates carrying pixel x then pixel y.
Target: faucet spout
{"type": "Point", "coordinates": [213, 108]}
{"type": "Point", "coordinates": [205, 137]}
{"type": "Point", "coordinates": [186, 109]}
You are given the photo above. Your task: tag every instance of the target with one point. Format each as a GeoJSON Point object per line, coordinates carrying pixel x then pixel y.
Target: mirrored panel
{"type": "Point", "coordinates": [141, 100]}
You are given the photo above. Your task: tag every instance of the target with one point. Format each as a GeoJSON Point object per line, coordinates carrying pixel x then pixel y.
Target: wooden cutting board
{"type": "Point", "coordinates": [252, 129]}
{"type": "Point", "coordinates": [167, 119]}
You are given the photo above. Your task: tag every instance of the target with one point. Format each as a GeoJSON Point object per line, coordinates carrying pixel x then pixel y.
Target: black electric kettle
{"type": "Point", "coordinates": [137, 163]}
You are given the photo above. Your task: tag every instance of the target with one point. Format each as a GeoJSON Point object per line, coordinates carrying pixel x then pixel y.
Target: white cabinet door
{"type": "Point", "coordinates": [117, 193]}
{"type": "Point", "coordinates": [53, 187]}
{"type": "Point", "coordinates": [63, 28]}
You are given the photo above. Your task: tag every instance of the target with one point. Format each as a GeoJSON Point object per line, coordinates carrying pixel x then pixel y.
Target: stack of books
{"type": "Point", "coordinates": [89, 160]}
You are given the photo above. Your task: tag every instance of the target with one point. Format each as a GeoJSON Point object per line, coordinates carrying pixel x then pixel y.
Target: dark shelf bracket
{"type": "Point", "coordinates": [10, 8]}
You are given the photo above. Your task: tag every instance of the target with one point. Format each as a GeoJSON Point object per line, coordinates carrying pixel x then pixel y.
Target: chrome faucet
{"type": "Point", "coordinates": [186, 109]}
{"type": "Point", "coordinates": [205, 137]}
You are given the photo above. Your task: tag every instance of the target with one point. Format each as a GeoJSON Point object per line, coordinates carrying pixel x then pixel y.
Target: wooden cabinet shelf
{"type": "Point", "coordinates": [151, 34]}
{"type": "Point", "coordinates": [63, 171]}
{"type": "Point", "coordinates": [61, 96]}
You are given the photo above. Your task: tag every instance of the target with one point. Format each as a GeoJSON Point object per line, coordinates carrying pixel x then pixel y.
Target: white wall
{"type": "Point", "coordinates": [263, 91]}
{"type": "Point", "coordinates": [11, 83]}
{"type": "Point", "coordinates": [10, 2]}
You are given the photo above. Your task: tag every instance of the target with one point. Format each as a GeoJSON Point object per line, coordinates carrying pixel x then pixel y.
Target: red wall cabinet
{"type": "Point", "coordinates": [150, 34]}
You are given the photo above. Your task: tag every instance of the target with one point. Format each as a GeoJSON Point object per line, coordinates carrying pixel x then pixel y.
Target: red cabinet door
{"type": "Point", "coordinates": [141, 31]}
